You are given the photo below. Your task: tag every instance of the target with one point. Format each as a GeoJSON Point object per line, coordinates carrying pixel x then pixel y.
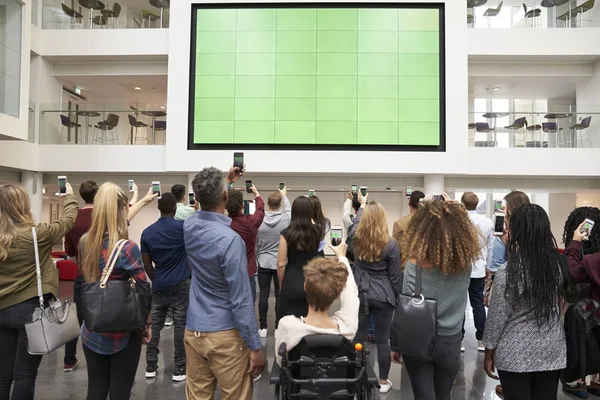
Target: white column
{"type": "Point", "coordinates": [190, 179]}
{"type": "Point", "coordinates": [560, 206]}
{"type": "Point", "coordinates": [33, 181]}
{"type": "Point", "coordinates": [542, 200]}
{"type": "Point", "coordinates": [433, 184]}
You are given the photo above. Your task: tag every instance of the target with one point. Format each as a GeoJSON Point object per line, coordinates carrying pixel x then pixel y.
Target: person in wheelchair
{"type": "Point", "coordinates": [326, 279]}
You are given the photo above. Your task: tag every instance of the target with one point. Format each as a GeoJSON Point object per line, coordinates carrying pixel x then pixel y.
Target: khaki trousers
{"type": "Point", "coordinates": [217, 358]}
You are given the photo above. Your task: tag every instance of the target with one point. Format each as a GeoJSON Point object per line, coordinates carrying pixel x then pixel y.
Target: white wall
{"type": "Point", "coordinates": [589, 101]}
{"type": "Point", "coordinates": [561, 205]}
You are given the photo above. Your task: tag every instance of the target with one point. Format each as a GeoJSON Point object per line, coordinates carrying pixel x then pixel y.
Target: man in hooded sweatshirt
{"type": "Point", "coordinates": [277, 218]}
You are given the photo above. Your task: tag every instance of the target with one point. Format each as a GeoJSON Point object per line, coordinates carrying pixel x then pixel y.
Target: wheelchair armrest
{"type": "Point", "coordinates": [282, 351]}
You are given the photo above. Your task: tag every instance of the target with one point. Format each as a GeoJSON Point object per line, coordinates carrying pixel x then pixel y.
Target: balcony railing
{"type": "Point", "coordinates": [563, 129]}
{"type": "Point", "coordinates": [107, 124]}
{"type": "Point", "coordinates": [102, 14]}
{"type": "Point", "coordinates": [532, 14]}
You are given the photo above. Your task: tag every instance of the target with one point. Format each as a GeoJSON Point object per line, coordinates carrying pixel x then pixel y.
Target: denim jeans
{"type": "Point", "coordinates": [175, 298]}
{"type": "Point", "coordinates": [113, 373]}
{"type": "Point", "coordinates": [382, 316]}
{"type": "Point", "coordinates": [476, 289]}
{"type": "Point", "coordinates": [18, 369]}
{"type": "Point", "coordinates": [265, 275]}
{"type": "Point", "coordinates": [71, 347]}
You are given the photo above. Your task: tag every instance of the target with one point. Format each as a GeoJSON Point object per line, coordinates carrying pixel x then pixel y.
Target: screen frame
{"type": "Point", "coordinates": [441, 147]}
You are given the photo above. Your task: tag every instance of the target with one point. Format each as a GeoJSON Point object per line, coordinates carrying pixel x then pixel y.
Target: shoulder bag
{"type": "Point", "coordinates": [414, 327]}
{"type": "Point", "coordinates": [115, 305]}
{"type": "Point", "coordinates": [52, 326]}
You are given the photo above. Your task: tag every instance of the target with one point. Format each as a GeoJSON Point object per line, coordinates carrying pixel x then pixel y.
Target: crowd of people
{"type": "Point", "coordinates": [203, 259]}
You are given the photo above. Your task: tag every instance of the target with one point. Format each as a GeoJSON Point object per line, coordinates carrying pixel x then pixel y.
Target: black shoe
{"type": "Point", "coordinates": [178, 375]}
{"type": "Point", "coordinates": [151, 371]}
{"type": "Point", "coordinates": [578, 391]}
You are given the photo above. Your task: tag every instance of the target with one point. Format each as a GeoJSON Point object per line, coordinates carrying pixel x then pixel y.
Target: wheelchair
{"type": "Point", "coordinates": [324, 367]}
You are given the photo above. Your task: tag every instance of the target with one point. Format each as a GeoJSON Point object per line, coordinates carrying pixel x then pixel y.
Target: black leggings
{"type": "Point", "coordinates": [382, 316]}
{"type": "Point", "coordinates": [114, 373]}
{"type": "Point", "coordinates": [264, 283]}
{"type": "Point", "coordinates": [542, 385]}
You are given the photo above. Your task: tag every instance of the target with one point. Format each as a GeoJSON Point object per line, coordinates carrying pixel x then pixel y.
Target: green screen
{"type": "Point", "coordinates": [326, 76]}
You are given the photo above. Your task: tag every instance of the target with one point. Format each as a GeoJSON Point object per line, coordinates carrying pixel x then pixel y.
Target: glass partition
{"type": "Point", "coordinates": [106, 124]}
{"type": "Point", "coordinates": [105, 14]}
{"type": "Point", "coordinates": [532, 14]}
{"type": "Point", "coordinates": [564, 128]}
{"type": "Point", "coordinates": [11, 33]}
{"type": "Point", "coordinates": [31, 122]}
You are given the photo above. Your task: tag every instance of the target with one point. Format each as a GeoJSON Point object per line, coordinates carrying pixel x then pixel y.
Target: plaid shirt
{"type": "Point", "coordinates": [129, 264]}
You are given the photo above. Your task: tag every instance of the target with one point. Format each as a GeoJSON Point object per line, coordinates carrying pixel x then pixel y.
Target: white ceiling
{"type": "Point", "coordinates": [521, 87]}
{"type": "Point", "coordinates": [120, 89]}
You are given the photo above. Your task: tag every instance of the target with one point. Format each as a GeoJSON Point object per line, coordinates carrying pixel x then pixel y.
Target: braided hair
{"type": "Point", "coordinates": [592, 245]}
{"type": "Point", "coordinates": [537, 275]}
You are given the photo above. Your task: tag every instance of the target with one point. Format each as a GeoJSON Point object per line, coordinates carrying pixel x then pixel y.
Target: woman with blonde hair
{"type": "Point", "coordinates": [18, 283]}
{"type": "Point", "coordinates": [379, 279]}
{"type": "Point", "coordinates": [112, 358]}
{"type": "Point", "coordinates": [442, 241]}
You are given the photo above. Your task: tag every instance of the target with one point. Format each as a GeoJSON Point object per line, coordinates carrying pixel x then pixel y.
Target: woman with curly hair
{"type": "Point", "coordinates": [442, 241]}
{"type": "Point", "coordinates": [524, 336]}
{"type": "Point", "coordinates": [379, 279]}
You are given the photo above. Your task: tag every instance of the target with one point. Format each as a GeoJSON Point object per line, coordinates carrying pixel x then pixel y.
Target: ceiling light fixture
{"type": "Point", "coordinates": [137, 88]}
{"type": "Point", "coordinates": [495, 88]}
{"type": "Point", "coordinates": [163, 107]}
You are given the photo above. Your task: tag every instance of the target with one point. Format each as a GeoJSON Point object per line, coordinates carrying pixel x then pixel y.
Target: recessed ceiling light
{"type": "Point", "coordinates": [163, 107]}
{"type": "Point", "coordinates": [137, 88]}
{"type": "Point", "coordinates": [495, 88]}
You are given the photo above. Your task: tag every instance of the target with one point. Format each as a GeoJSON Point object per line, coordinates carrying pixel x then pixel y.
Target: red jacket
{"type": "Point", "coordinates": [247, 227]}
{"type": "Point", "coordinates": [584, 268]}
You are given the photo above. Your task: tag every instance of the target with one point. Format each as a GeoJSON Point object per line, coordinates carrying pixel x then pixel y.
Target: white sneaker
{"type": "Point", "coordinates": [480, 346]}
{"type": "Point", "coordinates": [178, 378]}
{"type": "Point", "coordinates": [262, 333]}
{"type": "Point", "coordinates": [257, 378]}
{"type": "Point", "coordinates": [462, 347]}
{"type": "Point", "coordinates": [151, 373]}
{"type": "Point", "coordinates": [385, 387]}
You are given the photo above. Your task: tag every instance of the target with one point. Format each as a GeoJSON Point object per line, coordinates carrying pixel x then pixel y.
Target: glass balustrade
{"type": "Point", "coordinates": [102, 124]}
{"type": "Point", "coordinates": [31, 121]}
{"type": "Point", "coordinates": [105, 14]}
{"type": "Point", "coordinates": [562, 129]}
{"type": "Point", "coordinates": [533, 14]}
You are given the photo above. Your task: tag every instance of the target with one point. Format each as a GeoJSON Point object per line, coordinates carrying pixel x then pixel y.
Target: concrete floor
{"type": "Point", "coordinates": [54, 384]}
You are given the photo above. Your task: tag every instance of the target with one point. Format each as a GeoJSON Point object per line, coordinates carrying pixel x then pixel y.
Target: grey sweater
{"type": "Point", "coordinates": [450, 291]}
{"type": "Point", "coordinates": [267, 240]}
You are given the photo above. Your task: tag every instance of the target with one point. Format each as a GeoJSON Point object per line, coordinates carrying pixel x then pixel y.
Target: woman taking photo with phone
{"type": "Point", "coordinates": [441, 241]}
{"type": "Point", "coordinates": [524, 336]}
{"type": "Point", "coordinates": [18, 283]}
{"type": "Point", "coordinates": [298, 244]}
{"type": "Point", "coordinates": [112, 358]}
{"type": "Point", "coordinates": [379, 280]}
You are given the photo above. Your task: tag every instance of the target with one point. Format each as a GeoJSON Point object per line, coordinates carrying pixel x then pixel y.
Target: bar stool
{"type": "Point", "coordinates": [136, 124]}
{"type": "Point", "coordinates": [113, 14]}
{"type": "Point", "coordinates": [581, 127]}
{"type": "Point", "coordinates": [67, 123]}
{"type": "Point", "coordinates": [103, 128]}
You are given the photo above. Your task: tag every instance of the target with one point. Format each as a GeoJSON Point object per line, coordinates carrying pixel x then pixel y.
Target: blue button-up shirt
{"type": "Point", "coordinates": [498, 256]}
{"type": "Point", "coordinates": [220, 296]}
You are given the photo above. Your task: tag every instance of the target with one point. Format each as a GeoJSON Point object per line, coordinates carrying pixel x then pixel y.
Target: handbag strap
{"type": "Point", "coordinates": [418, 282]}
{"type": "Point", "coordinates": [110, 263]}
{"type": "Point", "coordinates": [38, 271]}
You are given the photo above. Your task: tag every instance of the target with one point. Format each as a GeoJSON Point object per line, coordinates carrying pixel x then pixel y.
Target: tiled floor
{"type": "Point", "coordinates": [54, 384]}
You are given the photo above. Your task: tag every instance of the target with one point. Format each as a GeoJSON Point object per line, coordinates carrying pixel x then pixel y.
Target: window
{"type": "Point", "coordinates": [11, 23]}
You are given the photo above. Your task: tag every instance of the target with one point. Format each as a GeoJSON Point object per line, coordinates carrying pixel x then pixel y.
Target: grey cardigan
{"type": "Point", "coordinates": [521, 345]}
{"type": "Point", "coordinates": [450, 291]}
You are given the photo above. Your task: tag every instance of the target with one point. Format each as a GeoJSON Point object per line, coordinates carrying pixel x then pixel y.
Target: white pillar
{"type": "Point", "coordinates": [433, 184]}
{"type": "Point", "coordinates": [542, 200]}
{"type": "Point", "coordinates": [190, 179]}
{"type": "Point", "coordinates": [560, 206]}
{"type": "Point", "coordinates": [33, 181]}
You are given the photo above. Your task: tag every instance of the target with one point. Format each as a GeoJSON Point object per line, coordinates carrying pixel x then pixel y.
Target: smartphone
{"type": "Point", "coordinates": [238, 161]}
{"type": "Point", "coordinates": [232, 185]}
{"type": "Point", "coordinates": [336, 235]}
{"type": "Point", "coordinates": [311, 192]}
{"type": "Point", "coordinates": [156, 188]}
{"type": "Point", "coordinates": [62, 184]}
{"type": "Point", "coordinates": [437, 197]}
{"type": "Point", "coordinates": [588, 224]}
{"type": "Point", "coordinates": [498, 224]}
{"type": "Point", "coordinates": [248, 186]}
{"type": "Point", "coordinates": [497, 205]}
{"type": "Point", "coordinates": [354, 188]}
{"type": "Point", "coordinates": [191, 198]}
{"type": "Point", "coordinates": [131, 185]}
{"type": "Point", "coordinates": [421, 202]}
{"type": "Point", "coordinates": [408, 191]}
{"type": "Point", "coordinates": [281, 185]}
{"type": "Point", "coordinates": [363, 190]}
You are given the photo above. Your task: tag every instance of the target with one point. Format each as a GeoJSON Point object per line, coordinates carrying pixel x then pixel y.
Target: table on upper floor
{"type": "Point", "coordinates": [154, 115]}
{"type": "Point", "coordinates": [92, 5]}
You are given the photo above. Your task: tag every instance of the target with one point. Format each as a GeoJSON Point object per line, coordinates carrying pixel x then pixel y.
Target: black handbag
{"type": "Point", "coordinates": [414, 327]}
{"type": "Point", "coordinates": [115, 305]}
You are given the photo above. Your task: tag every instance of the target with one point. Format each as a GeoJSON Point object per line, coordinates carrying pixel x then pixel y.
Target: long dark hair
{"type": "Point", "coordinates": [592, 245]}
{"type": "Point", "coordinates": [537, 275]}
{"type": "Point", "coordinates": [317, 215]}
{"type": "Point", "coordinates": [302, 234]}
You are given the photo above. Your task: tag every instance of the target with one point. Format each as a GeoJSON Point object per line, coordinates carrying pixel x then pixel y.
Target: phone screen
{"type": "Point", "coordinates": [131, 185]}
{"type": "Point", "coordinates": [249, 186]}
{"type": "Point", "coordinates": [421, 202]}
{"type": "Point", "coordinates": [192, 199]}
{"type": "Point", "coordinates": [363, 190]}
{"type": "Point", "coordinates": [336, 236]}
{"type": "Point", "coordinates": [354, 188]}
{"type": "Point", "coordinates": [499, 224]}
{"type": "Point", "coordinates": [408, 191]}
{"type": "Point", "coordinates": [311, 193]}
{"type": "Point", "coordinates": [156, 188]}
{"type": "Point", "coordinates": [281, 185]}
{"type": "Point", "coordinates": [497, 205]}
{"type": "Point", "coordinates": [238, 160]}
{"type": "Point", "coordinates": [62, 184]}
{"type": "Point", "coordinates": [438, 197]}
{"type": "Point", "coordinates": [587, 226]}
